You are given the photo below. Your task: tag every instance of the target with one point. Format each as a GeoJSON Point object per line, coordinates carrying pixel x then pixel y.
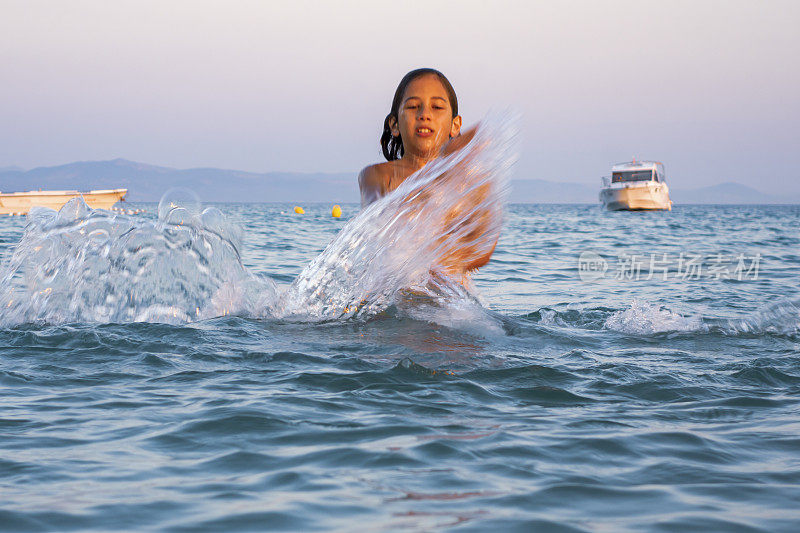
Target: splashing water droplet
{"type": "Point", "coordinates": [74, 210]}
{"type": "Point", "coordinates": [179, 206]}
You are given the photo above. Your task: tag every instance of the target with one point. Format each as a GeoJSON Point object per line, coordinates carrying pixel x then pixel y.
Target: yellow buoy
{"type": "Point", "coordinates": [337, 211]}
{"type": "Point", "coordinates": [299, 210]}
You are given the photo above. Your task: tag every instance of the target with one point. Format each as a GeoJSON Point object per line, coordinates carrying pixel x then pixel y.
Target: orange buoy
{"type": "Point", "coordinates": [299, 210]}
{"type": "Point", "coordinates": [337, 211]}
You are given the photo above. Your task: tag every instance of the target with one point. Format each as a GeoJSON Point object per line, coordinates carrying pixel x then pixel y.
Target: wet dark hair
{"type": "Point", "coordinates": [393, 146]}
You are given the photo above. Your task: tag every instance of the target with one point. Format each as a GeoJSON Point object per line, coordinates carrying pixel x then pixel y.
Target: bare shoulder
{"type": "Point", "coordinates": [374, 175]}
{"type": "Point", "coordinates": [373, 181]}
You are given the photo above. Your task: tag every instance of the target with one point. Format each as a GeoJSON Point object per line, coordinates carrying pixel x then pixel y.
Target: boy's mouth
{"type": "Point", "coordinates": [424, 131]}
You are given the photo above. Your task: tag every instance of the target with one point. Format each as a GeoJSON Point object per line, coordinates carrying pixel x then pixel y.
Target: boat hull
{"type": "Point", "coordinates": [19, 203]}
{"type": "Point", "coordinates": [652, 196]}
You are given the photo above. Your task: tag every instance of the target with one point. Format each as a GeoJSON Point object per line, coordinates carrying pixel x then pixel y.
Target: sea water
{"type": "Point", "coordinates": [215, 367]}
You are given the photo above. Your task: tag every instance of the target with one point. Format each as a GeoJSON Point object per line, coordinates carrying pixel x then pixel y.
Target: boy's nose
{"type": "Point", "coordinates": [423, 112]}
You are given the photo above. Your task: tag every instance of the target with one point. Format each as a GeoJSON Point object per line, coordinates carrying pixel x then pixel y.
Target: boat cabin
{"type": "Point", "coordinates": [638, 171]}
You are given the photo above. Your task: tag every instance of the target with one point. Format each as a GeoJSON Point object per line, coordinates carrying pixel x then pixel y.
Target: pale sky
{"type": "Point", "coordinates": [711, 88]}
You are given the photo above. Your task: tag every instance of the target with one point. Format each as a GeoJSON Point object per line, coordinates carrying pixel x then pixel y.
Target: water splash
{"type": "Point", "coordinates": [84, 265]}
{"type": "Point", "coordinates": [781, 317]}
{"type": "Point", "coordinates": [647, 319]}
{"type": "Point", "coordinates": [443, 216]}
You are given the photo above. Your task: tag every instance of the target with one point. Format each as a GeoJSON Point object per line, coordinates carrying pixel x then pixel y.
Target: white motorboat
{"type": "Point", "coordinates": [636, 185]}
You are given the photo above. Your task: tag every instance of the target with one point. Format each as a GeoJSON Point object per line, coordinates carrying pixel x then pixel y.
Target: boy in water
{"type": "Point", "coordinates": [423, 124]}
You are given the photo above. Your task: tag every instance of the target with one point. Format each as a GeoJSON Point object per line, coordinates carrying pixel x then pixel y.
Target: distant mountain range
{"type": "Point", "coordinates": [147, 183]}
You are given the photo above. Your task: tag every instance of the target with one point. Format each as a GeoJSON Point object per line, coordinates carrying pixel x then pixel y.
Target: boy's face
{"type": "Point", "coordinates": [425, 118]}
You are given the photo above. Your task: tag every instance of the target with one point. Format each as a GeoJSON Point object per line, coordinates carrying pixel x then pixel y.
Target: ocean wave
{"type": "Point", "coordinates": [640, 318]}
{"type": "Point", "coordinates": [781, 317]}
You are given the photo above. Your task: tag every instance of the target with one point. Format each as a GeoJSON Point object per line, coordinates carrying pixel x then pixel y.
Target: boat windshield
{"type": "Point", "coordinates": [631, 175]}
